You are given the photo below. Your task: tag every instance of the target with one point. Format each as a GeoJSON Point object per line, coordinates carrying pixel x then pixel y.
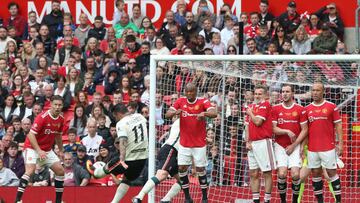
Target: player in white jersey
{"type": "Point", "coordinates": [133, 136]}
{"type": "Point", "coordinates": [167, 158]}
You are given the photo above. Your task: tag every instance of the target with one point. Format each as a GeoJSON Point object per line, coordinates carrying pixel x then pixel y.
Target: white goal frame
{"type": "Point", "coordinates": [155, 58]}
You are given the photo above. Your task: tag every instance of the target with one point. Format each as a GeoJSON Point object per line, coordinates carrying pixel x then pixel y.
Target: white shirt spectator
{"type": "Point", "coordinates": [226, 35]}
{"type": "Point", "coordinates": [92, 144]}
{"type": "Point", "coordinates": [3, 44]}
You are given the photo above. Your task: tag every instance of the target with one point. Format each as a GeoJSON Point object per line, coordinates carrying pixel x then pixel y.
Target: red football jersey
{"type": "Point", "coordinates": [45, 128]}
{"type": "Point", "coordinates": [192, 130]}
{"type": "Point", "coordinates": [263, 111]}
{"type": "Point", "coordinates": [321, 119]}
{"type": "Point", "coordinates": [289, 118]}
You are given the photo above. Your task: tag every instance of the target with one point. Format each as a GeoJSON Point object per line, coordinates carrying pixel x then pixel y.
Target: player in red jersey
{"type": "Point", "coordinates": [290, 129]}
{"type": "Point", "coordinates": [324, 121]}
{"type": "Point", "coordinates": [258, 134]}
{"type": "Point", "coordinates": [192, 111]}
{"type": "Point", "coordinates": [45, 132]}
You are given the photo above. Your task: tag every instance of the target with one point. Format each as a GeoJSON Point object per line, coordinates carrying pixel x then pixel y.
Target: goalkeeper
{"type": "Point", "coordinates": [167, 166]}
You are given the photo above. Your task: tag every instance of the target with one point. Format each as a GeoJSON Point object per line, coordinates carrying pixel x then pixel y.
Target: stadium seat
{"type": "Point", "coordinates": [100, 88]}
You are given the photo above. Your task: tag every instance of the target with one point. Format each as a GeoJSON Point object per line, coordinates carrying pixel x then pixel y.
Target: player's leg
{"type": "Point", "coordinates": [184, 161]}
{"type": "Point", "coordinates": [53, 162]}
{"type": "Point", "coordinates": [254, 172]}
{"type": "Point", "coordinates": [24, 180]}
{"type": "Point", "coordinates": [304, 174]}
{"type": "Point", "coordinates": [199, 154]}
{"type": "Point", "coordinates": [328, 161]}
{"type": "Point", "coordinates": [121, 190]}
{"type": "Point", "coordinates": [30, 158]}
{"type": "Point", "coordinates": [281, 183]}
{"type": "Point", "coordinates": [295, 165]}
{"type": "Point", "coordinates": [160, 176]}
{"type": "Point", "coordinates": [59, 180]}
{"type": "Point", "coordinates": [316, 171]}
{"type": "Point", "coordinates": [282, 170]}
{"type": "Point", "coordinates": [174, 190]}
{"type": "Point", "coordinates": [266, 160]}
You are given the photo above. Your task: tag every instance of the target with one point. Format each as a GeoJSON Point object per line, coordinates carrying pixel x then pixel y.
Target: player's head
{"type": "Point", "coordinates": [287, 92]}
{"type": "Point", "coordinates": [57, 103]}
{"type": "Point", "coordinates": [259, 93]}
{"type": "Point", "coordinates": [190, 92]}
{"type": "Point", "coordinates": [317, 91]}
{"type": "Point", "coordinates": [119, 111]}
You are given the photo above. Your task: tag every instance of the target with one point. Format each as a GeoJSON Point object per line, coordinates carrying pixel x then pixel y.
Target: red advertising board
{"type": "Point", "coordinates": [156, 9]}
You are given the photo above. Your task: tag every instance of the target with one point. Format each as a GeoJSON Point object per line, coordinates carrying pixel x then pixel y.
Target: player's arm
{"type": "Point", "coordinates": [211, 113]}
{"type": "Point", "coordinates": [172, 112]}
{"type": "Point", "coordinates": [247, 142]}
{"type": "Point", "coordinates": [303, 133]}
{"type": "Point", "coordinates": [58, 142]}
{"type": "Point", "coordinates": [281, 131]}
{"type": "Point", "coordinates": [257, 120]}
{"type": "Point", "coordinates": [338, 129]}
{"type": "Point", "coordinates": [123, 141]}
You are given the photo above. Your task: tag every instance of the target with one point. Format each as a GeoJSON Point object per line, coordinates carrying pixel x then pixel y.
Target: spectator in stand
{"type": "Point", "coordinates": [104, 154]}
{"type": "Point", "coordinates": [290, 18]}
{"type": "Point", "coordinates": [75, 175]}
{"type": "Point", "coordinates": [28, 53]}
{"type": "Point", "coordinates": [143, 60]}
{"type": "Point", "coordinates": [7, 176]}
{"type": "Point", "coordinates": [160, 110]}
{"type": "Point", "coordinates": [118, 11]}
{"type": "Point", "coordinates": [32, 22]}
{"type": "Point", "coordinates": [62, 54]}
{"type": "Point", "coordinates": [228, 31]}
{"type": "Point", "coordinates": [45, 100]}
{"type": "Point", "coordinates": [204, 12]}
{"type": "Point", "coordinates": [8, 109]}
{"type": "Point", "coordinates": [136, 18]}
{"type": "Point", "coordinates": [326, 42]}
{"type": "Point", "coordinates": [217, 46]}
{"type": "Point", "coordinates": [251, 46]}
{"type": "Point", "coordinates": [150, 37]}
{"type": "Point", "coordinates": [40, 52]}
{"type": "Point", "coordinates": [135, 97]}
{"type": "Point", "coordinates": [183, 77]}
{"type": "Point", "coordinates": [301, 43]}
{"type": "Point", "coordinates": [39, 83]}
{"type": "Point", "coordinates": [91, 46]}
{"type": "Point", "coordinates": [14, 160]}
{"type": "Point", "coordinates": [110, 42]}
{"type": "Point", "coordinates": [103, 130]}
{"type": "Point", "coordinates": [92, 140]}
{"type": "Point", "coordinates": [329, 15]}
{"type": "Point", "coordinates": [25, 109]}
{"type": "Point", "coordinates": [180, 14]}
{"type": "Point", "coordinates": [19, 134]}
{"type": "Point", "coordinates": [72, 146]}
{"type": "Point", "coordinates": [17, 86]}
{"type": "Point", "coordinates": [82, 157]}
{"type": "Point", "coordinates": [160, 49]}
{"type": "Point", "coordinates": [169, 37]}
{"type": "Point", "coordinates": [22, 70]}
{"type": "Point", "coordinates": [54, 20]}
{"type": "Point", "coordinates": [279, 37]}
{"type": "Point", "coordinates": [123, 24]}
{"type": "Point", "coordinates": [41, 176]}
{"type": "Point", "coordinates": [68, 31]}
{"type": "Point", "coordinates": [36, 110]}
{"type": "Point", "coordinates": [265, 17]}
{"type": "Point", "coordinates": [63, 91]}
{"type": "Point", "coordinates": [74, 82]}
{"type": "Point", "coordinates": [225, 11]}
{"type": "Point", "coordinates": [252, 30]}
{"type": "Point", "coordinates": [144, 26]}
{"type": "Point", "coordinates": [4, 39]}
{"type": "Point", "coordinates": [244, 19]}
{"type": "Point", "coordinates": [99, 31]}
{"type": "Point", "coordinates": [2, 131]}
{"type": "Point", "coordinates": [180, 45]}
{"type": "Point", "coordinates": [145, 96]}
{"type": "Point", "coordinates": [81, 32]}
{"type": "Point", "coordinates": [16, 20]}
{"type": "Point", "coordinates": [47, 39]}
{"type": "Point", "coordinates": [79, 121]}
{"type": "Point", "coordinates": [341, 48]}
{"type": "Point", "coordinates": [33, 33]}
{"type": "Point", "coordinates": [19, 42]}
{"type": "Point", "coordinates": [132, 48]}
{"type": "Point", "coordinates": [263, 39]}
{"type": "Point", "coordinates": [314, 27]}
{"type": "Point", "coordinates": [287, 48]}
{"type": "Point", "coordinates": [208, 28]}
{"type": "Point", "coordinates": [190, 28]}
{"type": "Point", "coordinates": [169, 22]}
{"type": "Point", "coordinates": [97, 111]}
{"type": "Point", "coordinates": [137, 80]}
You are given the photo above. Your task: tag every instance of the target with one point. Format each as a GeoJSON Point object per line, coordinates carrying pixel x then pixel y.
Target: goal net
{"type": "Point", "coordinates": [228, 82]}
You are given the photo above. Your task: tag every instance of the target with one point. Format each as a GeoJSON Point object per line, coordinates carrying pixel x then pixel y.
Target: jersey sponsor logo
{"type": "Point", "coordinates": [186, 114]}
{"type": "Point", "coordinates": [312, 118]}
{"type": "Point", "coordinates": [282, 121]}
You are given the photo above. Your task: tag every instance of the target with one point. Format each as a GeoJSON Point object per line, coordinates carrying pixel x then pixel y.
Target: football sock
{"type": "Point", "coordinates": [184, 180]}
{"type": "Point", "coordinates": [203, 183]}
{"type": "Point", "coordinates": [59, 188]}
{"type": "Point", "coordinates": [174, 190]}
{"type": "Point", "coordinates": [24, 181]}
{"type": "Point", "coordinates": [318, 188]}
{"type": "Point", "coordinates": [150, 184]}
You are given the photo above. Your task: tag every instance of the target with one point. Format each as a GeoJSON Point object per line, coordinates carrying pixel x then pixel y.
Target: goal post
{"type": "Point", "coordinates": [340, 74]}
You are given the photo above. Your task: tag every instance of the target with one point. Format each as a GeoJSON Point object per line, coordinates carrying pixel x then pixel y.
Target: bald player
{"type": "Point", "coordinates": [324, 123]}
{"type": "Point", "coordinates": [192, 110]}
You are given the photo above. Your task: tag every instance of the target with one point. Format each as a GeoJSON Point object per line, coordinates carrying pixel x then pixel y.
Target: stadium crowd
{"type": "Point", "coordinates": [94, 67]}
